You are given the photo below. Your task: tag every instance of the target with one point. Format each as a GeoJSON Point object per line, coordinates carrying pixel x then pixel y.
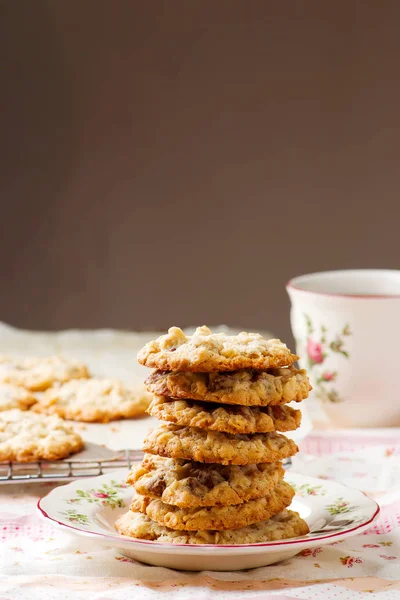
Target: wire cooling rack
{"type": "Point", "coordinates": [64, 470]}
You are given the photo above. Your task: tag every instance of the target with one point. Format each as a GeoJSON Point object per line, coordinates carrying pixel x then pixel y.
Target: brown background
{"type": "Point", "coordinates": [176, 162]}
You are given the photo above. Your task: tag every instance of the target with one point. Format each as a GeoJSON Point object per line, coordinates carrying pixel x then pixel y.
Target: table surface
{"type": "Point", "coordinates": [38, 561]}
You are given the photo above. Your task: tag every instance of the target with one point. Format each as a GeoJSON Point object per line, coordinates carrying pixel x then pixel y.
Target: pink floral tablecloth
{"type": "Point", "coordinates": [37, 561]}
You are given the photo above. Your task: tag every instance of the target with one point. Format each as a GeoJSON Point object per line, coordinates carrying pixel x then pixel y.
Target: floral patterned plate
{"type": "Point", "coordinates": [90, 507]}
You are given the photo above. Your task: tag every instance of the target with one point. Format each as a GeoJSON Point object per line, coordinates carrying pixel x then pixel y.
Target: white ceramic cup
{"type": "Point", "coordinates": [347, 330]}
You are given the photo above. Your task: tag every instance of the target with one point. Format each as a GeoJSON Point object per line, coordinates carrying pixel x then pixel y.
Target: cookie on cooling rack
{"type": "Point", "coordinates": [15, 396]}
{"type": "Point", "coordinates": [28, 437]}
{"type": "Point", "coordinates": [37, 374]}
{"type": "Point", "coordinates": [97, 400]}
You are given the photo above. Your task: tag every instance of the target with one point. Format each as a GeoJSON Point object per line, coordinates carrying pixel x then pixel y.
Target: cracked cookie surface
{"type": "Point", "coordinates": [244, 387]}
{"type": "Point", "coordinates": [206, 351]}
{"type": "Point", "coordinates": [190, 484]}
{"type": "Point", "coordinates": [226, 418]}
{"type": "Point", "coordinates": [37, 374]}
{"type": "Point", "coordinates": [284, 525]}
{"type": "Point", "coordinates": [216, 517]}
{"type": "Point", "coordinates": [15, 396]}
{"type": "Point", "coordinates": [201, 445]}
{"type": "Point", "coordinates": [26, 437]}
{"type": "Point", "coordinates": [94, 400]}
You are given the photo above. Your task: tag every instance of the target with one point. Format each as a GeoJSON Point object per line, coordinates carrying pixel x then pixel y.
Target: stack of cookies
{"type": "Point", "coordinates": [212, 472]}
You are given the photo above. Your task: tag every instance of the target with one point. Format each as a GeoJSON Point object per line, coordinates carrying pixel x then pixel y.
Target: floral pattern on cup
{"type": "Point", "coordinates": [319, 347]}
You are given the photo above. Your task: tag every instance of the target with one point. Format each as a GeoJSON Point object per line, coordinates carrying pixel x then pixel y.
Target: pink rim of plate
{"type": "Point", "coordinates": [300, 540]}
{"type": "Point", "coordinates": [291, 285]}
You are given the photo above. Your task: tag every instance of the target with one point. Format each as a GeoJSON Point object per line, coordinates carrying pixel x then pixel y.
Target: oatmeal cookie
{"type": "Point", "coordinates": [93, 400]}
{"type": "Point", "coordinates": [37, 374]}
{"type": "Point", "coordinates": [206, 351]}
{"type": "Point", "coordinates": [245, 387]}
{"type": "Point", "coordinates": [14, 396]}
{"type": "Point", "coordinates": [216, 517]}
{"type": "Point", "coordinates": [191, 484]}
{"type": "Point", "coordinates": [225, 417]}
{"type": "Point", "coordinates": [284, 525]}
{"type": "Point", "coordinates": [201, 445]}
{"type": "Point", "coordinates": [27, 437]}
